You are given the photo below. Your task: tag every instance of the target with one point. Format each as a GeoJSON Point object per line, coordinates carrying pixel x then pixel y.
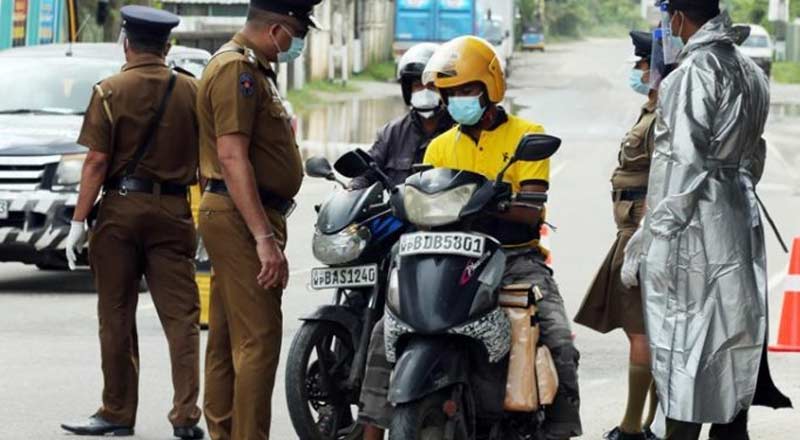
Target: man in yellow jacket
{"type": "Point", "coordinates": [471, 81]}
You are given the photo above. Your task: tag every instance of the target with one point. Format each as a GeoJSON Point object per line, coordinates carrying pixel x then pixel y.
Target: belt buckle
{"type": "Point", "coordinates": [290, 209]}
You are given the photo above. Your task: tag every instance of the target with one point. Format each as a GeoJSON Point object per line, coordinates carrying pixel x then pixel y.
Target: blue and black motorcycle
{"type": "Point", "coordinates": [354, 235]}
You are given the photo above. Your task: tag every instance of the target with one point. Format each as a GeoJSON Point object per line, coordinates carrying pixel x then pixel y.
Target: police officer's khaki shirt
{"type": "Point", "coordinates": [122, 108]}
{"type": "Point", "coordinates": [237, 97]}
{"type": "Point", "coordinates": [635, 152]}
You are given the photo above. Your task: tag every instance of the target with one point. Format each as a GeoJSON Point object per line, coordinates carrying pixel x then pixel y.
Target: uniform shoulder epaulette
{"type": "Point", "coordinates": [251, 56]}
{"type": "Point", "coordinates": [246, 52]}
{"type": "Point", "coordinates": [104, 96]}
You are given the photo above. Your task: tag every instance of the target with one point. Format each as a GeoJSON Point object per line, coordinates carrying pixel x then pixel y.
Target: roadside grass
{"type": "Point", "coordinates": [308, 96]}
{"type": "Point", "coordinates": [383, 72]}
{"type": "Point", "coordinates": [786, 72]}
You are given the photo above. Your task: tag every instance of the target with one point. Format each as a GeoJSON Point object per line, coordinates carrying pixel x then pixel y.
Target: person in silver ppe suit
{"type": "Point", "coordinates": [701, 248]}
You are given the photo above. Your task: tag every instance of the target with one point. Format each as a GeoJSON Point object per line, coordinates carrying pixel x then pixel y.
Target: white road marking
{"type": "Point", "coordinates": [775, 153]}
{"type": "Point", "coordinates": [559, 168]}
{"type": "Point", "coordinates": [777, 280]}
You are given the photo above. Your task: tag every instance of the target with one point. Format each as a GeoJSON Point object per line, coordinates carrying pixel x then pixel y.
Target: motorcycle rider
{"type": "Point", "coordinates": [399, 145]}
{"type": "Point", "coordinates": [402, 142]}
{"type": "Point", "coordinates": [471, 81]}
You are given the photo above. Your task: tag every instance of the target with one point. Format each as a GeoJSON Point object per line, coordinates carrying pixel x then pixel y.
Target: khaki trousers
{"type": "Point", "coordinates": [144, 234]}
{"type": "Point", "coordinates": [244, 328]}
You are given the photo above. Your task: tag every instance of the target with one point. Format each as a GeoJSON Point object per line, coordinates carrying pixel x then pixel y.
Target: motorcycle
{"type": "Point", "coordinates": [355, 231]}
{"type": "Point", "coordinates": [445, 331]}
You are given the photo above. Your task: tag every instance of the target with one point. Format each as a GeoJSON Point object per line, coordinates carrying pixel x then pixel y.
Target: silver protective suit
{"type": "Point", "coordinates": [704, 268]}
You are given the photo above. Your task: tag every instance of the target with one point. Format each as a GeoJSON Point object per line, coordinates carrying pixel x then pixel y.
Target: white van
{"type": "Point", "coordinates": [759, 47]}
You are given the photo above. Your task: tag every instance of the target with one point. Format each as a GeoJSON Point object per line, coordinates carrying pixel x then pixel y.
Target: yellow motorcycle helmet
{"type": "Point", "coordinates": [464, 60]}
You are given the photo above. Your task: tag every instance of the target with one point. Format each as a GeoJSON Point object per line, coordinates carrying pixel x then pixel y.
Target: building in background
{"type": "Point", "coordinates": [31, 22]}
{"type": "Point", "coordinates": [206, 24]}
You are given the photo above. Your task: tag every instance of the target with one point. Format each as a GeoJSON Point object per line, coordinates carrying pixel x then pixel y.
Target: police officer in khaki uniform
{"type": "Point", "coordinates": [141, 131]}
{"type": "Point", "coordinates": [249, 156]}
{"type": "Point", "coordinates": [609, 304]}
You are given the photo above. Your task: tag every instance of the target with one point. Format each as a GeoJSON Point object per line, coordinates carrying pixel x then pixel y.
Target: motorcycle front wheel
{"type": "Point", "coordinates": [321, 405]}
{"type": "Point", "coordinates": [423, 419]}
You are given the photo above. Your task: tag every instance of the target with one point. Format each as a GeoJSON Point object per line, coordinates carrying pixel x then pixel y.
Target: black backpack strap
{"type": "Point", "coordinates": [130, 168]}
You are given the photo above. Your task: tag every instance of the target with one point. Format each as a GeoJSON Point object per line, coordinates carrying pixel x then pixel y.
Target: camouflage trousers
{"type": "Point", "coordinates": [562, 417]}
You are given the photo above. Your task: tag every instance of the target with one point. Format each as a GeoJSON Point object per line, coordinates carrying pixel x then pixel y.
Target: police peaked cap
{"type": "Point", "coordinates": [302, 10]}
{"type": "Point", "coordinates": [642, 44]}
{"type": "Point", "coordinates": [145, 23]}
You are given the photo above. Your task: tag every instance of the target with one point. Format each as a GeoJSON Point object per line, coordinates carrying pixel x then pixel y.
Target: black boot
{"type": "Point", "coordinates": [189, 432]}
{"type": "Point", "coordinates": [617, 434]}
{"type": "Point", "coordinates": [649, 435]}
{"type": "Point", "coordinates": [97, 425]}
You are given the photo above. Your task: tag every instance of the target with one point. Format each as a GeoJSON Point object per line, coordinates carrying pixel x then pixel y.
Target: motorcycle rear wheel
{"type": "Point", "coordinates": [319, 385]}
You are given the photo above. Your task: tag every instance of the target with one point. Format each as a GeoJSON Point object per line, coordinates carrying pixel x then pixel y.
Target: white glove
{"type": "Point", "coordinates": [75, 241]}
{"type": "Point", "coordinates": [633, 256]}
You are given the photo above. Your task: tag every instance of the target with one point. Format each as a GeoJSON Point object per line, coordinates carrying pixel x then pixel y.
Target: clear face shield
{"type": "Point", "coordinates": [672, 44]}
{"type": "Point", "coordinates": [122, 37]}
{"type": "Point", "coordinates": [442, 63]}
{"type": "Point", "coordinates": [657, 65]}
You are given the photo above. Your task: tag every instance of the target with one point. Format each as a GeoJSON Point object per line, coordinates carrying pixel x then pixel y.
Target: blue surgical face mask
{"type": "Point", "coordinates": [294, 51]}
{"type": "Point", "coordinates": [466, 110]}
{"type": "Point", "coordinates": [636, 83]}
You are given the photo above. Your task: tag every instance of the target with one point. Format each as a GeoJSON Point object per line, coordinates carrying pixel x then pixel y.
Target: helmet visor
{"type": "Point", "coordinates": [443, 63]}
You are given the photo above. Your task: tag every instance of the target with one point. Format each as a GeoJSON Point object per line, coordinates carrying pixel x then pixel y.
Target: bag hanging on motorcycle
{"type": "Point", "coordinates": [522, 393]}
{"type": "Point", "coordinates": [546, 375]}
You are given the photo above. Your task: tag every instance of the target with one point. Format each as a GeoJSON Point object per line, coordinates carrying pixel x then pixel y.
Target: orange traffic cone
{"type": "Point", "coordinates": [789, 332]}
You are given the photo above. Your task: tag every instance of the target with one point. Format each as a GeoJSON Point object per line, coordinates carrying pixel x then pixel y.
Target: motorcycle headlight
{"type": "Point", "coordinates": [436, 209]}
{"type": "Point", "coordinates": [340, 248]}
{"type": "Point", "coordinates": [68, 173]}
{"type": "Point", "coordinates": [393, 290]}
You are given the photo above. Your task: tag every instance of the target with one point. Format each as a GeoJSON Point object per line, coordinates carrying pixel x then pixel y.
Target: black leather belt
{"type": "Point", "coordinates": [138, 184]}
{"type": "Point", "coordinates": [629, 195]}
{"type": "Point", "coordinates": [283, 206]}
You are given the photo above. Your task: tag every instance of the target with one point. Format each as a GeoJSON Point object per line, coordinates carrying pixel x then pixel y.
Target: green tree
{"type": "Point", "coordinates": [574, 18]}
{"type": "Point", "coordinates": [91, 31]}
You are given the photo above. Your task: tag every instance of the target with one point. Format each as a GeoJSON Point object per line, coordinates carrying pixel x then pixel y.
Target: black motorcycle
{"type": "Point", "coordinates": [445, 331]}
{"type": "Point", "coordinates": [354, 234]}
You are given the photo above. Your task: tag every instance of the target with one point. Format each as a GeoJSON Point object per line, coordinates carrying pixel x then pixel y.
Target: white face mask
{"type": "Point", "coordinates": [425, 101]}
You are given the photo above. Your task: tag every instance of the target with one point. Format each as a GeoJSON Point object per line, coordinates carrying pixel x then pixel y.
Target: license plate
{"type": "Point", "coordinates": [455, 243]}
{"type": "Point", "coordinates": [343, 277]}
{"type": "Point", "coordinates": [4, 209]}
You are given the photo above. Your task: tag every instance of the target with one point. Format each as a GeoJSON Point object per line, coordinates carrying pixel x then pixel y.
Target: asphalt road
{"type": "Point", "coordinates": [49, 351]}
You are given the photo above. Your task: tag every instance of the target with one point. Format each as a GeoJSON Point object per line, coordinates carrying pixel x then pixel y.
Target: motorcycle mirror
{"type": "Point", "coordinates": [533, 147]}
{"type": "Point", "coordinates": [352, 164]}
{"type": "Point", "coordinates": [319, 167]}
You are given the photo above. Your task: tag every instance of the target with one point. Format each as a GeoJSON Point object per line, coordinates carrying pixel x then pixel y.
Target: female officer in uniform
{"type": "Point", "coordinates": [609, 304]}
